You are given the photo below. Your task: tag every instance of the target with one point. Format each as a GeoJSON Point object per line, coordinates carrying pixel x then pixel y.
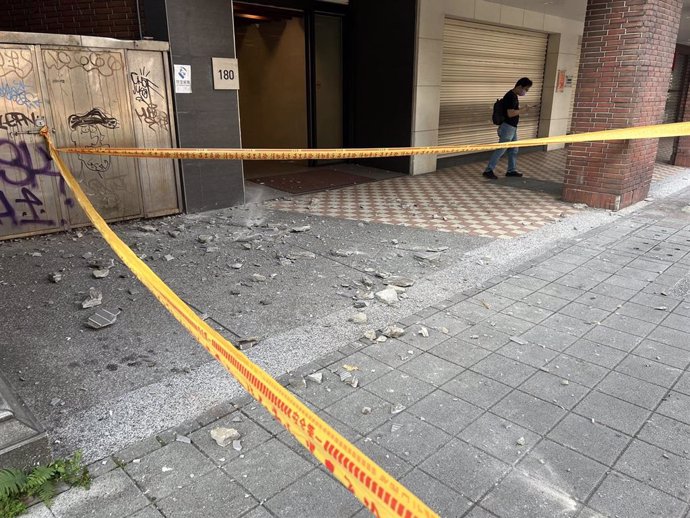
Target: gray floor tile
{"type": "Point", "coordinates": [644, 313]}
{"type": "Point", "coordinates": [257, 412]}
{"type": "Point", "coordinates": [531, 354]}
{"type": "Point", "coordinates": [510, 291]}
{"type": "Point", "coordinates": [431, 369]}
{"type": "Point", "coordinates": [591, 439]}
{"type": "Point", "coordinates": [147, 512]}
{"type": "Point", "coordinates": [112, 495]}
{"type": "Point", "coordinates": [413, 337]}
{"type": "Point", "coordinates": [325, 394]}
{"type": "Point", "coordinates": [567, 324]}
{"type": "Point", "coordinates": [669, 336]}
{"type": "Point", "coordinates": [460, 352]}
{"type": "Point", "coordinates": [600, 301]}
{"type": "Point", "coordinates": [632, 390]}
{"type": "Point", "coordinates": [621, 496]}
{"type": "Point", "coordinates": [530, 313]}
{"type": "Point", "coordinates": [491, 300]}
{"type": "Point", "coordinates": [619, 415]}
{"type": "Point", "coordinates": [677, 406]}
{"type": "Point", "coordinates": [258, 512]}
{"type": "Point", "coordinates": [388, 461]}
{"type": "Point", "coordinates": [663, 353]}
{"type": "Point", "coordinates": [137, 450]}
{"type": "Point", "coordinates": [447, 323]}
{"type": "Point", "coordinates": [667, 472]}
{"type": "Point", "coordinates": [314, 496]}
{"type": "Point", "coordinates": [392, 352]}
{"type": "Point", "coordinates": [683, 384]}
{"type": "Point", "coordinates": [370, 369]}
{"type": "Point", "coordinates": [471, 312]}
{"type": "Point", "coordinates": [678, 322]}
{"type": "Point", "coordinates": [449, 413]}
{"type": "Point", "coordinates": [613, 338]}
{"type": "Point", "coordinates": [509, 325]}
{"type": "Point", "coordinates": [547, 302]}
{"type": "Point", "coordinates": [548, 337]}
{"type": "Point", "coordinates": [485, 336]}
{"type": "Point", "coordinates": [478, 512]}
{"type": "Point", "coordinates": [574, 369]}
{"type": "Point", "coordinates": [629, 325]}
{"type": "Point", "coordinates": [649, 370]}
{"type": "Point", "coordinates": [528, 411]}
{"type": "Point", "coordinates": [476, 389]}
{"type": "Point", "coordinates": [398, 387]}
{"type": "Point", "coordinates": [612, 290]}
{"type": "Point", "coordinates": [499, 437]}
{"type": "Point", "coordinates": [668, 434]}
{"type": "Point", "coordinates": [439, 497]}
{"type": "Point", "coordinates": [584, 312]}
{"type": "Point", "coordinates": [548, 387]}
{"type": "Point", "coordinates": [560, 291]}
{"type": "Point", "coordinates": [654, 301]}
{"type": "Point", "coordinates": [526, 282]}
{"type": "Point", "coordinates": [543, 273]}
{"type": "Point", "coordinates": [595, 353]}
{"type": "Point", "coordinates": [349, 410]}
{"type": "Point", "coordinates": [562, 469]}
{"type": "Point", "coordinates": [521, 496]}
{"type": "Point", "coordinates": [505, 370]}
{"type": "Point", "coordinates": [472, 472]}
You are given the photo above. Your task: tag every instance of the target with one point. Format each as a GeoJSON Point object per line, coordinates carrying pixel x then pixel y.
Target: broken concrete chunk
{"type": "Point", "coordinates": [401, 282]}
{"type": "Point", "coordinates": [360, 304]}
{"type": "Point", "coordinates": [359, 318]}
{"type": "Point", "coordinates": [56, 277]}
{"type": "Point", "coordinates": [316, 377]}
{"type": "Point", "coordinates": [393, 332]}
{"type": "Point", "coordinates": [370, 334]}
{"type": "Point", "coordinates": [423, 331]}
{"type": "Point", "coordinates": [521, 441]}
{"type": "Point", "coordinates": [184, 439]}
{"type": "Point", "coordinates": [565, 382]}
{"type": "Point", "coordinates": [382, 339]}
{"type": "Point", "coordinates": [224, 436]}
{"type": "Point", "coordinates": [342, 253]}
{"type": "Point", "coordinates": [237, 445]}
{"type": "Point", "coordinates": [364, 295]}
{"type": "Point", "coordinates": [102, 318]}
{"type": "Point", "coordinates": [395, 427]}
{"type": "Point", "coordinates": [94, 299]}
{"type": "Point", "coordinates": [397, 408]}
{"type": "Point", "coordinates": [304, 228]}
{"type": "Point", "coordinates": [174, 233]}
{"type": "Point", "coordinates": [366, 410]}
{"type": "Point", "coordinates": [101, 274]}
{"type": "Point", "coordinates": [168, 257]}
{"type": "Point", "coordinates": [297, 255]}
{"type": "Point", "coordinates": [247, 343]}
{"type": "Point", "coordinates": [517, 340]}
{"type": "Point", "coordinates": [205, 238]}
{"type": "Point", "coordinates": [87, 255]}
{"type": "Point", "coordinates": [257, 277]}
{"type": "Point", "coordinates": [429, 257]}
{"type": "Point", "coordinates": [388, 296]}
{"type": "Point", "coordinates": [147, 228]}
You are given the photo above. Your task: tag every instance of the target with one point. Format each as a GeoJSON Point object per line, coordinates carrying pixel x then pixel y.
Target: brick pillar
{"type": "Point", "coordinates": [625, 66]}
{"type": "Point", "coordinates": [681, 150]}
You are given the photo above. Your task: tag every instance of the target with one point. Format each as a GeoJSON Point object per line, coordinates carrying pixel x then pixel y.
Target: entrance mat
{"type": "Point", "coordinates": [311, 181]}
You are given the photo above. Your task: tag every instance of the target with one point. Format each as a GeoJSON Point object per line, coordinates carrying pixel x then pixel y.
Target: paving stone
{"type": "Point", "coordinates": [471, 311]}
{"type": "Point", "coordinates": [477, 389]}
{"type": "Point", "coordinates": [460, 352]}
{"type": "Point", "coordinates": [257, 413]}
{"type": "Point", "coordinates": [413, 338]}
{"type": "Point", "coordinates": [667, 472]}
{"type": "Point", "coordinates": [478, 512]}
{"type": "Point", "coordinates": [543, 273]}
{"type": "Point", "coordinates": [678, 322]}
{"type": "Point", "coordinates": [38, 511]}
{"type": "Point", "coordinates": [629, 325]}
{"type": "Point", "coordinates": [510, 291]}
{"type": "Point", "coordinates": [528, 312]}
{"type": "Point", "coordinates": [654, 301]}
{"type": "Point", "coordinates": [101, 467]}
{"type": "Point", "coordinates": [670, 336]}
{"type": "Point", "coordinates": [544, 301]}
{"type": "Point", "coordinates": [472, 472]}
{"type": "Point", "coordinates": [484, 336]}
{"type": "Point", "coordinates": [677, 406]}
{"type": "Point", "coordinates": [683, 384]}
{"type": "Point", "coordinates": [509, 325]}
{"type": "Point", "coordinates": [217, 412]}
{"type": "Point", "coordinates": [583, 280]}
{"type": "Point", "coordinates": [325, 394]}
{"type": "Point", "coordinates": [531, 354]}
{"type": "Point", "coordinates": [548, 337]}
{"type": "Point", "coordinates": [391, 463]}
{"type": "Point", "coordinates": [612, 290]}
{"type": "Point", "coordinates": [617, 339]}
{"type": "Point", "coordinates": [663, 353]}
{"type": "Point", "coordinates": [267, 469]}
{"type": "Point", "coordinates": [370, 369]}
{"type": "Point", "coordinates": [192, 500]}
{"type": "Point", "coordinates": [521, 496]}
{"type": "Point", "coordinates": [591, 439]}
{"type": "Point", "coordinates": [258, 512]}
{"type": "Point", "coordinates": [398, 387]}
{"type": "Point", "coordinates": [527, 282]}
{"type": "Point", "coordinates": [573, 369]}
{"type": "Point", "coordinates": [668, 434]}
{"type": "Point", "coordinates": [600, 265]}
{"type": "Point", "coordinates": [329, 358]}
{"type": "Point", "coordinates": [528, 411]}
{"type": "Point", "coordinates": [622, 496]}
{"type": "Point", "coordinates": [637, 274]}
{"type": "Point", "coordinates": [600, 301]}
{"type": "Point", "coordinates": [619, 415]}
{"type": "Point", "coordinates": [431, 369]}
{"type": "Point", "coordinates": [137, 450]}
{"type": "Point", "coordinates": [392, 352]}
{"type": "Point", "coordinates": [413, 441]}
{"type": "Point", "coordinates": [500, 368]}
{"type": "Point", "coordinates": [147, 512]}
{"type": "Point", "coordinates": [251, 436]}
{"type": "Point", "coordinates": [444, 320]}
{"type": "Point", "coordinates": [565, 471]}
{"type": "Point", "coordinates": [491, 300]}
{"type": "Point", "coordinates": [644, 313]}
{"type": "Point", "coordinates": [499, 437]}
{"type": "Point", "coordinates": [584, 312]}
{"type": "Point", "coordinates": [449, 413]}
{"type": "Point", "coordinates": [649, 370]}
{"type": "Point", "coordinates": [439, 497]}
{"type": "Point", "coordinates": [112, 495]}
{"type": "Point", "coordinates": [349, 409]}
{"type": "Point", "coordinates": [550, 388]}
{"type": "Point", "coordinates": [632, 390]}
{"type": "Point", "coordinates": [567, 324]}
{"type": "Point", "coordinates": [560, 291]}
{"type": "Point", "coordinates": [558, 266]}
{"type": "Point", "coordinates": [595, 353]}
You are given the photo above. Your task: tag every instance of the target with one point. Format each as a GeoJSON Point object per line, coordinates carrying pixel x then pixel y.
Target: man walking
{"type": "Point", "coordinates": [507, 131]}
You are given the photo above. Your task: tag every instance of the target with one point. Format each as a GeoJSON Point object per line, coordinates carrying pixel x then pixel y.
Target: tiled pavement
{"type": "Point", "coordinates": [559, 390]}
{"type": "Point", "coordinates": [457, 199]}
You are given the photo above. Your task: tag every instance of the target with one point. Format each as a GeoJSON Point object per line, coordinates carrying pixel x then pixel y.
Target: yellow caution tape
{"type": "Point", "coordinates": [377, 490]}
{"type": "Point", "coordinates": [677, 129]}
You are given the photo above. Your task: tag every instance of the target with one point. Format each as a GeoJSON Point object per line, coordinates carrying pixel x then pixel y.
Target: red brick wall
{"type": "Point", "coordinates": [114, 18]}
{"type": "Point", "coordinates": [625, 67]}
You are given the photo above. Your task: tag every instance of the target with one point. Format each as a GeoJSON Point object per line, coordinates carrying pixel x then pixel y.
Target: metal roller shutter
{"type": "Point", "coordinates": [480, 64]}
{"type": "Point", "coordinates": [675, 89]}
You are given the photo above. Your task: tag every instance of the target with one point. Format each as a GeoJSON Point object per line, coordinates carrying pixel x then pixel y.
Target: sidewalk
{"type": "Point", "coordinates": [558, 390]}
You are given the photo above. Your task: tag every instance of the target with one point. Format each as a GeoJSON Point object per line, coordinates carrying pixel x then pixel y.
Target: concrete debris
{"type": "Point", "coordinates": [394, 241]}
{"type": "Point", "coordinates": [445, 330]}
{"type": "Point", "coordinates": [382, 339]}
{"type": "Point", "coordinates": [359, 318]}
{"type": "Point", "coordinates": [283, 261]}
{"type": "Point", "coordinates": [297, 382]}
{"type": "Point", "coordinates": [580, 206]}
{"type": "Point", "coordinates": [344, 375]}
{"type": "Point", "coordinates": [101, 274]}
{"type": "Point", "coordinates": [517, 340]}
{"type": "Point", "coordinates": [237, 419]}
{"type": "Point", "coordinates": [305, 228]}
{"type": "Point", "coordinates": [102, 318]}
{"type": "Point", "coordinates": [183, 439]}
{"type": "Point", "coordinates": [397, 289]}
{"type": "Point", "coordinates": [316, 377]}
{"type": "Point", "coordinates": [56, 401]}
{"type": "Point", "coordinates": [565, 382]}
{"type": "Point", "coordinates": [428, 257]}
{"type": "Point", "coordinates": [382, 275]}
{"type": "Point", "coordinates": [397, 408]}
{"type": "Point", "coordinates": [224, 436]}
{"type": "Point", "coordinates": [367, 282]}
{"type": "Point", "coordinates": [402, 282]}
{"type": "Point", "coordinates": [366, 410]}
{"type": "Point", "coordinates": [147, 228]}
{"type": "Point", "coordinates": [661, 308]}
{"type": "Point", "coordinates": [350, 368]}
{"type": "Point", "coordinates": [205, 238]}
{"type": "Point", "coordinates": [437, 249]}
{"type": "Point", "coordinates": [364, 295]}
{"type": "Point", "coordinates": [94, 299]}
{"type": "Point", "coordinates": [354, 382]}
{"type": "Point", "coordinates": [168, 257]}
{"type": "Point", "coordinates": [342, 253]}
{"type": "Point", "coordinates": [521, 441]}
{"type": "Point", "coordinates": [293, 256]}
{"type": "Point", "coordinates": [36, 254]}
{"type": "Point", "coordinates": [56, 277]}
{"type": "Point", "coordinates": [133, 291]}
{"type": "Point", "coordinates": [393, 332]}
{"type": "Point", "coordinates": [395, 427]}
{"type": "Point", "coordinates": [423, 331]}
{"type": "Point", "coordinates": [257, 277]}
{"type": "Point", "coordinates": [370, 334]}
{"type": "Point", "coordinates": [388, 296]}
{"type": "Point", "coordinates": [237, 445]}
{"type": "Point", "coordinates": [247, 343]}
{"type": "Point", "coordinates": [360, 304]}
{"type": "Point", "coordinates": [174, 233]}
{"type": "Point", "coordinates": [166, 469]}
{"type": "Point", "coordinates": [236, 266]}
{"type": "Point", "coordinates": [247, 246]}
{"type": "Point", "coordinates": [87, 255]}
{"type": "Point", "coordinates": [212, 249]}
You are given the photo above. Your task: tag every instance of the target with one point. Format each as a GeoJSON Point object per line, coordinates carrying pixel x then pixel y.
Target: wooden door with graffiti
{"type": "Point", "coordinates": [89, 98]}
{"type": "Point", "coordinates": [32, 194]}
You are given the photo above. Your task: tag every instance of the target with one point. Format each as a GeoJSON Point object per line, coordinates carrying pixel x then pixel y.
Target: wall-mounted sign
{"type": "Point", "coordinates": [183, 79]}
{"type": "Point", "coordinates": [226, 74]}
{"type": "Point", "coordinates": [560, 81]}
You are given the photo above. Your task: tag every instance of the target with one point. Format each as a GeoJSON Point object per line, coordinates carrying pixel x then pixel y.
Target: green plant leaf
{"type": "Point", "coordinates": [11, 482]}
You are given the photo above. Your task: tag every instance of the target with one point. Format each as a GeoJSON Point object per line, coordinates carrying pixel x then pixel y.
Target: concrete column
{"type": "Point", "coordinates": [625, 67]}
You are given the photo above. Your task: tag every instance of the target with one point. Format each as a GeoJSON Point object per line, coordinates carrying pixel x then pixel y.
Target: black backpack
{"type": "Point", "coordinates": [498, 117]}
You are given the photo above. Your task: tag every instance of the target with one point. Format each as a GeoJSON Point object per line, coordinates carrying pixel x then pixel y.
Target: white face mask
{"type": "Point", "coordinates": [522, 92]}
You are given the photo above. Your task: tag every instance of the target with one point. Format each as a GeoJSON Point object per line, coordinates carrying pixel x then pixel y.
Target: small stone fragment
{"type": "Point", "coordinates": [565, 382]}
{"type": "Point", "coordinates": [102, 318]}
{"type": "Point", "coordinates": [521, 441]}
{"type": "Point", "coordinates": [237, 445]}
{"type": "Point", "coordinates": [174, 233]}
{"type": "Point", "coordinates": [56, 277]}
{"type": "Point", "coordinates": [517, 340]}
{"type": "Point", "coordinates": [393, 332]}
{"type": "Point", "coordinates": [101, 274]}
{"type": "Point", "coordinates": [94, 299]}
{"type": "Point", "coordinates": [359, 318]}
{"type": "Point", "coordinates": [168, 257]}
{"type": "Point", "coordinates": [381, 339]}
{"type": "Point", "coordinates": [342, 253]}
{"type": "Point", "coordinates": [395, 427]}
{"type": "Point", "coordinates": [257, 277]}
{"type": "Point", "coordinates": [401, 282]}
{"type": "Point", "coordinates": [205, 238]}
{"type": "Point", "coordinates": [316, 377]}
{"type": "Point", "coordinates": [184, 439]}
{"type": "Point", "coordinates": [224, 436]}
{"type": "Point", "coordinates": [370, 334]}
{"type": "Point", "coordinates": [236, 266]}
{"type": "Point", "coordinates": [388, 296]}
{"type": "Point", "coordinates": [247, 343]}
{"type": "Point", "coordinates": [429, 257]}
{"type": "Point", "coordinates": [366, 410]}
{"type": "Point", "coordinates": [397, 408]}
{"type": "Point", "coordinates": [305, 228]}
{"type": "Point", "coordinates": [165, 469]}
{"type": "Point", "coordinates": [661, 308]}
{"type": "Point", "coordinates": [423, 331]}
{"type": "Point", "coordinates": [360, 304]}
{"type": "Point", "coordinates": [147, 228]}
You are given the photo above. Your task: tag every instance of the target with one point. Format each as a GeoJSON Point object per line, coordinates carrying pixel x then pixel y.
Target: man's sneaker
{"type": "Point", "coordinates": [490, 175]}
{"type": "Point", "coordinates": [514, 174]}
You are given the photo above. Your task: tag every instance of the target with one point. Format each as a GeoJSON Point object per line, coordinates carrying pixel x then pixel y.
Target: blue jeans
{"type": "Point", "coordinates": [506, 133]}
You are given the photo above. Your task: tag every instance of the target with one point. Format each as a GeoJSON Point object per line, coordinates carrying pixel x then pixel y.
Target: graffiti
{"type": "Point", "coordinates": [17, 120]}
{"type": "Point", "coordinates": [104, 63]}
{"type": "Point", "coordinates": [18, 94]}
{"type": "Point", "coordinates": [19, 170]}
{"type": "Point", "coordinates": [144, 91]}
{"type": "Point", "coordinates": [87, 132]}
{"type": "Point", "coordinates": [17, 62]}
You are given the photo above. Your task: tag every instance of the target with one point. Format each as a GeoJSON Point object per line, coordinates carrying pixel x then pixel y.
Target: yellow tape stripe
{"type": "Point", "coordinates": [375, 488]}
{"type": "Point", "coordinates": [677, 129]}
